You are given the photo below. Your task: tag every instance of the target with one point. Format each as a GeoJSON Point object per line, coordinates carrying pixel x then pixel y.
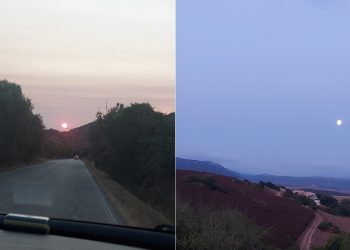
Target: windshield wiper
{"type": "Point", "coordinates": [163, 237]}
{"type": "Point", "coordinates": [26, 223]}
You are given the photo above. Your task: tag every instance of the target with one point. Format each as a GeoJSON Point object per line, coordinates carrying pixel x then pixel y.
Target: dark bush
{"type": "Point", "coordinates": [268, 184]}
{"type": "Point", "coordinates": [206, 180]}
{"type": "Point", "coordinates": [325, 226]}
{"type": "Point", "coordinates": [339, 242]}
{"type": "Point", "coordinates": [328, 201]}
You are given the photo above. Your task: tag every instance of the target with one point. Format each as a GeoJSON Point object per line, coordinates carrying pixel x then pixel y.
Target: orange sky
{"type": "Point", "coordinates": [71, 56]}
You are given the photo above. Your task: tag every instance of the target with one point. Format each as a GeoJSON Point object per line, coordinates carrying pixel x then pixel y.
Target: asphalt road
{"type": "Point", "coordinates": [58, 189]}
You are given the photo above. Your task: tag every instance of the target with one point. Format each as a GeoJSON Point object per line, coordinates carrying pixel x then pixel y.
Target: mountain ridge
{"type": "Point", "coordinates": [314, 182]}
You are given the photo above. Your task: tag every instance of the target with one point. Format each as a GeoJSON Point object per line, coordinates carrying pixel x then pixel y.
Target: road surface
{"type": "Point", "coordinates": [305, 242]}
{"type": "Point", "coordinates": [57, 189]}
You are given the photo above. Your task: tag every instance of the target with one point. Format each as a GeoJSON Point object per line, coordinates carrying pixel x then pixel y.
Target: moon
{"type": "Point", "coordinates": [339, 122]}
{"type": "Point", "coordinates": [64, 125]}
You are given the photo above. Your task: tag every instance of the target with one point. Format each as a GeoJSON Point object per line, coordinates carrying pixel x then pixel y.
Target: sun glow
{"type": "Point", "coordinates": [339, 122]}
{"type": "Point", "coordinates": [64, 125]}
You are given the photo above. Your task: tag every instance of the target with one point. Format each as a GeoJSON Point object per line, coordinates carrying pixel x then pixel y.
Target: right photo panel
{"type": "Point", "coordinates": [263, 125]}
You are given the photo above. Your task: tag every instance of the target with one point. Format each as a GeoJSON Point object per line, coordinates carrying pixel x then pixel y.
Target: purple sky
{"type": "Point", "coordinates": [261, 84]}
{"type": "Point", "coordinates": [70, 57]}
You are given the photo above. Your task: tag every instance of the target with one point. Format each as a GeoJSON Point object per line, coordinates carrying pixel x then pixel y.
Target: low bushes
{"type": "Point", "coordinates": [206, 180]}
{"type": "Point", "coordinates": [327, 226]}
{"type": "Point", "coordinates": [339, 242]}
{"type": "Point", "coordinates": [210, 228]}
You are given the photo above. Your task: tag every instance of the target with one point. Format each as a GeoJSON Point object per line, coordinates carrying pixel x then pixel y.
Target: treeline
{"type": "Point", "coordinates": [268, 184]}
{"type": "Point", "coordinates": [135, 145]}
{"type": "Point", "coordinates": [341, 208]}
{"type": "Point", "coordinates": [21, 131]}
{"type": "Point", "coordinates": [302, 199]}
{"type": "Point", "coordinates": [58, 145]}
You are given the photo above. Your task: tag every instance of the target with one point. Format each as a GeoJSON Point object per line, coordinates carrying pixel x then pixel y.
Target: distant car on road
{"type": "Point", "coordinates": [76, 157]}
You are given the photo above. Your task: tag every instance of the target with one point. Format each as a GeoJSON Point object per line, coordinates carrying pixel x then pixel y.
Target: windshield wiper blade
{"type": "Point", "coordinates": [26, 223]}
{"type": "Point", "coordinates": [155, 239]}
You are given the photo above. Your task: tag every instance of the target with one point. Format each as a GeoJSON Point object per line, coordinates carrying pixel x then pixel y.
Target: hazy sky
{"type": "Point", "coordinates": [260, 85]}
{"type": "Point", "coordinates": [70, 56]}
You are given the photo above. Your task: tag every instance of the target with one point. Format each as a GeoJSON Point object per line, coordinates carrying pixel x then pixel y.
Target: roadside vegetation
{"type": "Point", "coordinates": [205, 227]}
{"type": "Point", "coordinates": [21, 131]}
{"type": "Point", "coordinates": [135, 145]}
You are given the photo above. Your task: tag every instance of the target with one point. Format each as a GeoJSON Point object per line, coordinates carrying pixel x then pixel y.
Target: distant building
{"type": "Point", "coordinates": [310, 195]}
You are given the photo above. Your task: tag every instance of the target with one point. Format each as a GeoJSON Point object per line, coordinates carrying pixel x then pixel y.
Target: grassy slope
{"type": "Point", "coordinates": [209, 228]}
{"type": "Point", "coordinates": [283, 217]}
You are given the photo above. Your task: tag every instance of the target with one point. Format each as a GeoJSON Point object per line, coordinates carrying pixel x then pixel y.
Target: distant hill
{"type": "Point", "coordinates": [316, 182]}
{"type": "Point", "coordinates": [313, 182]}
{"type": "Point", "coordinates": [65, 144]}
{"type": "Point", "coordinates": [204, 166]}
{"type": "Point", "coordinates": [325, 192]}
{"type": "Point", "coordinates": [283, 217]}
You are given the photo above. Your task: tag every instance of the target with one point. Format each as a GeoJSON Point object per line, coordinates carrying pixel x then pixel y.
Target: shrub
{"type": "Point", "coordinates": [345, 207]}
{"type": "Point", "coordinates": [306, 201]}
{"type": "Point", "coordinates": [210, 228]}
{"type": "Point", "coordinates": [334, 207]}
{"type": "Point", "coordinates": [288, 193]}
{"type": "Point", "coordinates": [325, 226]}
{"type": "Point", "coordinates": [268, 184]}
{"type": "Point", "coordinates": [339, 242]}
{"type": "Point", "coordinates": [302, 199]}
{"type": "Point", "coordinates": [206, 180]}
{"type": "Point", "coordinates": [328, 201]}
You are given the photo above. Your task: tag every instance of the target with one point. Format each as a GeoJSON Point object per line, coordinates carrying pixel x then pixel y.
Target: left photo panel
{"type": "Point", "coordinates": [87, 124]}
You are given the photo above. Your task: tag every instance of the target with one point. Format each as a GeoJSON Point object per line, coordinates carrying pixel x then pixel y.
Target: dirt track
{"type": "Point", "coordinates": [305, 241]}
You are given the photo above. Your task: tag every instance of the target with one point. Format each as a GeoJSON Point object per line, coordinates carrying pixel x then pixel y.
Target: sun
{"type": "Point", "coordinates": [339, 122]}
{"type": "Point", "coordinates": [64, 125]}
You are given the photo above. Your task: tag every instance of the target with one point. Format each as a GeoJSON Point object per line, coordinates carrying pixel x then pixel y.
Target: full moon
{"type": "Point", "coordinates": [339, 122]}
{"type": "Point", "coordinates": [64, 125]}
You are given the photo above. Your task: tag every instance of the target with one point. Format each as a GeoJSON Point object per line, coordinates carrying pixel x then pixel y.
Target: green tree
{"type": "Point", "coordinates": [21, 131]}
{"type": "Point", "coordinates": [329, 201]}
{"type": "Point", "coordinates": [136, 146]}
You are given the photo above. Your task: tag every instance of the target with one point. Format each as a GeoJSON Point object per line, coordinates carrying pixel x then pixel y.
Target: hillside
{"type": "Point", "coordinates": [204, 166]}
{"type": "Point", "coordinates": [310, 182]}
{"type": "Point", "coordinates": [66, 144]}
{"type": "Point", "coordinates": [284, 218]}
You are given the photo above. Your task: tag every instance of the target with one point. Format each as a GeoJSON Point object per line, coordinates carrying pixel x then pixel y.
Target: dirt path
{"type": "Point", "coordinates": [305, 242]}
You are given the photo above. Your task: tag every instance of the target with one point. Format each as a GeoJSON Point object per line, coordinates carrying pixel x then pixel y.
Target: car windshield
{"type": "Point", "coordinates": [87, 120]}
